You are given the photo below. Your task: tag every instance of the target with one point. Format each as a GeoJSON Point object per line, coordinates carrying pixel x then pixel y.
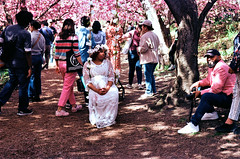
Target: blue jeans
{"type": "Point", "coordinates": [149, 77]}
{"type": "Point", "coordinates": [51, 53]}
{"type": "Point", "coordinates": [18, 76]}
{"type": "Point", "coordinates": [133, 60]}
{"type": "Point", "coordinates": [34, 87]}
{"type": "Point", "coordinates": [208, 100]}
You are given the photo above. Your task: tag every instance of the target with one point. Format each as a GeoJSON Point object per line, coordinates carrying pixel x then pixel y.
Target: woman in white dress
{"type": "Point", "coordinates": [99, 77]}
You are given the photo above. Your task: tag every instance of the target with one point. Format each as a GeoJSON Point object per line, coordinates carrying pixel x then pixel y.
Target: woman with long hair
{"type": "Point", "coordinates": [98, 74]}
{"type": "Point", "coordinates": [133, 57]}
{"type": "Point", "coordinates": [64, 42]}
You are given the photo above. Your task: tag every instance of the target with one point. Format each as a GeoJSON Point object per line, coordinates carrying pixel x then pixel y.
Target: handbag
{"type": "Point", "coordinates": [80, 85]}
{"type": "Point", "coordinates": [128, 43]}
{"type": "Point", "coordinates": [72, 63]}
{"type": "Point", "coordinates": [126, 46]}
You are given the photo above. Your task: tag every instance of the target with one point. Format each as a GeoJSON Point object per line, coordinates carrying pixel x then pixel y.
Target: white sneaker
{"type": "Point", "coordinates": [172, 67]}
{"type": "Point", "coordinates": [210, 116]}
{"type": "Point", "coordinates": [61, 113]}
{"type": "Point", "coordinates": [145, 96]}
{"type": "Point", "coordinates": [140, 87]}
{"type": "Point", "coordinates": [189, 128]}
{"type": "Point", "coordinates": [129, 86]}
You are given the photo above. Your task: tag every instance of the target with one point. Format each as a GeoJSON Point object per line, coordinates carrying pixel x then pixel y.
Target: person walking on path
{"type": "Point", "coordinates": [38, 48]}
{"type": "Point", "coordinates": [20, 63]}
{"type": "Point", "coordinates": [85, 38]}
{"type": "Point", "coordinates": [49, 38]}
{"type": "Point", "coordinates": [85, 42]}
{"type": "Point", "coordinates": [64, 41]}
{"type": "Point", "coordinates": [173, 50]}
{"type": "Point", "coordinates": [133, 57]}
{"type": "Point", "coordinates": [148, 50]}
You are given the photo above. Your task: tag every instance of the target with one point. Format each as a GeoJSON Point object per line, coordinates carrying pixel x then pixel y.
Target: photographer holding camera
{"type": "Point", "coordinates": [219, 93]}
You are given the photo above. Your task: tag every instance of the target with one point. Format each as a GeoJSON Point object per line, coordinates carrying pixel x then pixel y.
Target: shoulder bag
{"type": "Point", "coordinates": [128, 43]}
{"type": "Point", "coordinates": [72, 63]}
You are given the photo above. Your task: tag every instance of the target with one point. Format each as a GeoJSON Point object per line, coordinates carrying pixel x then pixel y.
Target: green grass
{"type": "Point", "coordinates": [222, 36]}
{"type": "Point", "coordinates": [4, 77]}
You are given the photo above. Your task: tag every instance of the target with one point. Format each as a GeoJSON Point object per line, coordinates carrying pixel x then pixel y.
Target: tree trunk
{"type": "Point", "coordinates": [152, 16]}
{"type": "Point", "coordinates": [185, 13]}
{"type": "Point", "coordinates": [165, 31]}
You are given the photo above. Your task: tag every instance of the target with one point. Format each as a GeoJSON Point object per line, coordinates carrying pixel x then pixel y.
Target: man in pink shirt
{"type": "Point", "coordinates": [219, 93]}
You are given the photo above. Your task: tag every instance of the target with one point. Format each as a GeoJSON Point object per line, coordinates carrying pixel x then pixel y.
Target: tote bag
{"type": "Point", "coordinates": [126, 46]}
{"type": "Point", "coordinates": [128, 43]}
{"type": "Point", "coordinates": [72, 63]}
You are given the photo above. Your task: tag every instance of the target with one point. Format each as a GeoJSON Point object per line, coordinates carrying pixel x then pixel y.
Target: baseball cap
{"type": "Point", "coordinates": [147, 23]}
{"type": "Point", "coordinates": [212, 52]}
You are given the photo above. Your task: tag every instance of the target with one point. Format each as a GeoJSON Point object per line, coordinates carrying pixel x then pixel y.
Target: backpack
{"type": "Point", "coordinates": [8, 48]}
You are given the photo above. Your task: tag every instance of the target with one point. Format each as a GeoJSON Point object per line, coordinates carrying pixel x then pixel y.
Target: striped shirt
{"type": "Point", "coordinates": [64, 45]}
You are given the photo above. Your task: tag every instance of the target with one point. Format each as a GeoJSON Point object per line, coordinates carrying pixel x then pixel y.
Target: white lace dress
{"type": "Point", "coordinates": [103, 109]}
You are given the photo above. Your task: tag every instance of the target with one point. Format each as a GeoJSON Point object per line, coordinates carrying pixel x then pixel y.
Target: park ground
{"type": "Point", "coordinates": [143, 130]}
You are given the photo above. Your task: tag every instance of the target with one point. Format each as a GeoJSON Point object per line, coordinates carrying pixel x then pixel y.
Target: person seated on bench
{"type": "Point", "coordinates": [99, 76]}
{"type": "Point", "coordinates": [219, 93]}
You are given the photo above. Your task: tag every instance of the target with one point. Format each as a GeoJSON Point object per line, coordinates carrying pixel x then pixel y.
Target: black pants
{"type": "Point", "coordinates": [172, 52]}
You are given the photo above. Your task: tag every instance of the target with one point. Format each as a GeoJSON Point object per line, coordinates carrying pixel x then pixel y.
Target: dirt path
{"type": "Point", "coordinates": [139, 132]}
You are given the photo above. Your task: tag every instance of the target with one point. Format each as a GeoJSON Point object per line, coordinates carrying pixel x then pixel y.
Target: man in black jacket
{"type": "Point", "coordinates": [19, 65]}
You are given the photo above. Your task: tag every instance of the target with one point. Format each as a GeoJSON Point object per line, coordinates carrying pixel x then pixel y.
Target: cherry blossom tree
{"type": "Point", "coordinates": [128, 10]}
{"type": "Point", "coordinates": [190, 15]}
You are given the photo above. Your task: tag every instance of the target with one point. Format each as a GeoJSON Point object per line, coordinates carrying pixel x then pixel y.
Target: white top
{"type": "Point", "coordinates": [99, 38]}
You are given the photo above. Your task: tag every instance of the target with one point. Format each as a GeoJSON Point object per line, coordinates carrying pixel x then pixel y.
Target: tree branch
{"type": "Point", "coordinates": [48, 9]}
{"type": "Point", "coordinates": [174, 8]}
{"type": "Point", "coordinates": [60, 17]}
{"type": "Point", "coordinates": [205, 11]}
{"type": "Point", "coordinates": [8, 16]}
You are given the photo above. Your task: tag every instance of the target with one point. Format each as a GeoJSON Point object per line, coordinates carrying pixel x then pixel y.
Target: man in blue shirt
{"type": "Point", "coordinates": [20, 63]}
{"type": "Point", "coordinates": [85, 38]}
{"type": "Point", "coordinates": [85, 41]}
{"type": "Point", "coordinates": [49, 38]}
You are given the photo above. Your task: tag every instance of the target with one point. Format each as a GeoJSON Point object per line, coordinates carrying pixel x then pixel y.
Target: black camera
{"type": "Point", "coordinates": [191, 95]}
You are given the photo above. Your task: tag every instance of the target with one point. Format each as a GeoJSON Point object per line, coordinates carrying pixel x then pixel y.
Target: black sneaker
{"type": "Point", "coordinates": [36, 99]}
{"type": "Point", "coordinates": [226, 128]}
{"type": "Point", "coordinates": [237, 130]}
{"type": "Point", "coordinates": [44, 66]}
{"type": "Point", "coordinates": [24, 112]}
{"type": "Point", "coordinates": [30, 99]}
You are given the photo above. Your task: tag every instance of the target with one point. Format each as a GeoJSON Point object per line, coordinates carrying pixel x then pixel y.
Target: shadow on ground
{"type": "Point", "coordinates": [139, 132]}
